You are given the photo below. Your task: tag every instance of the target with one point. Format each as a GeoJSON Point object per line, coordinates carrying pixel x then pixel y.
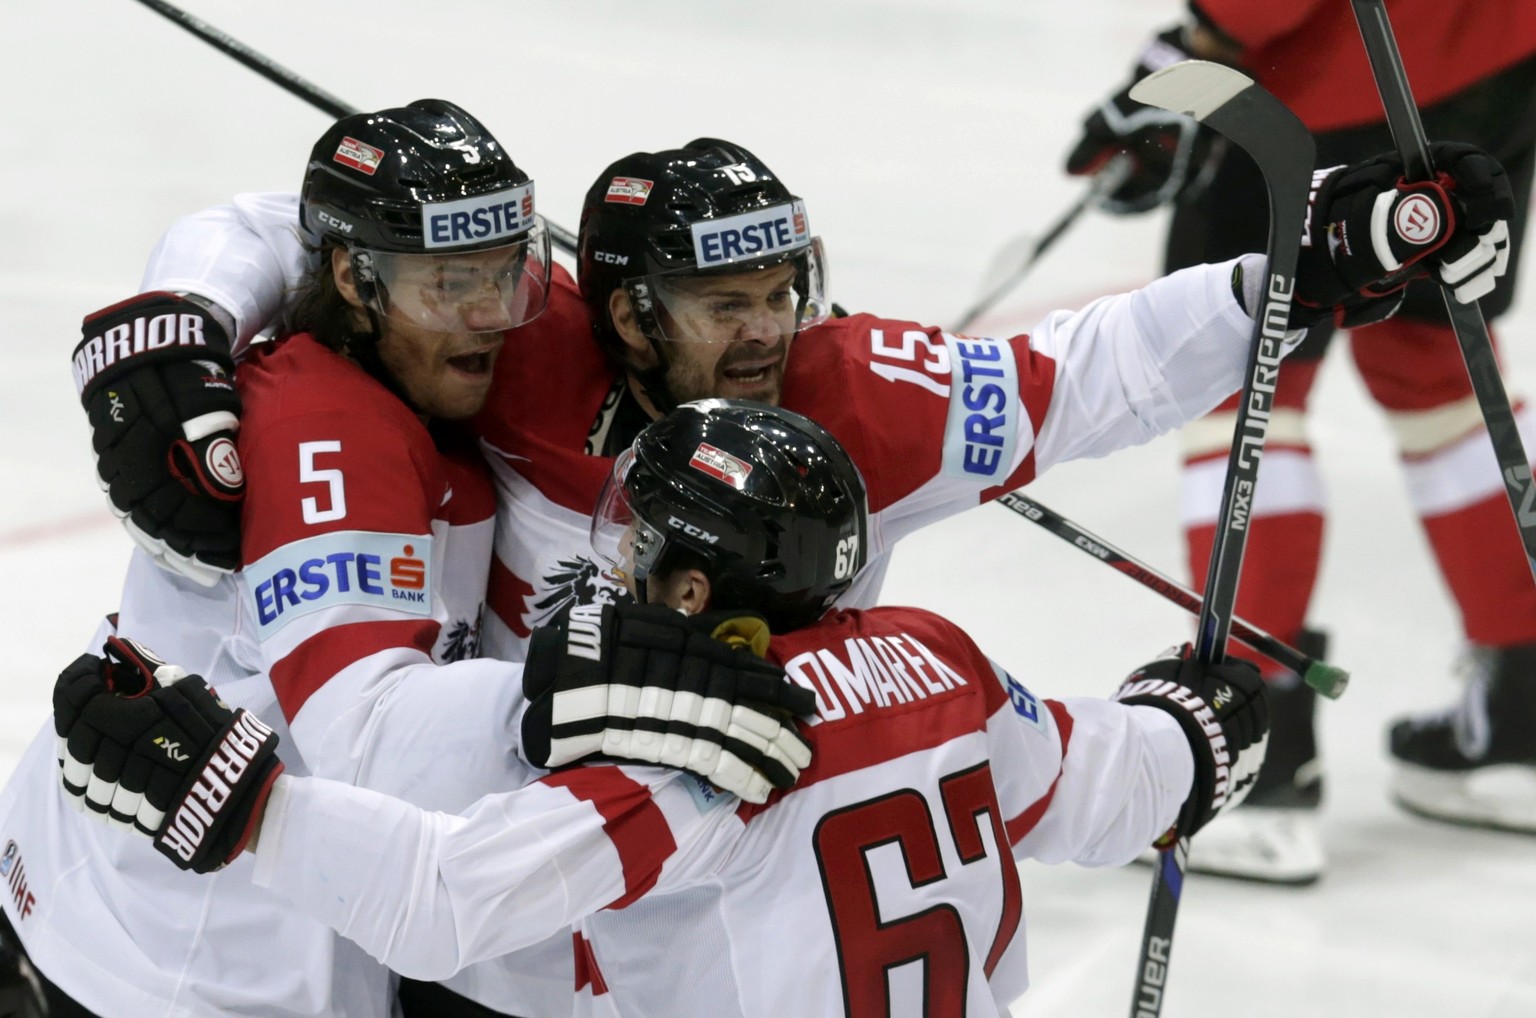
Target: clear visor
{"type": "Point", "coordinates": [760, 303]}
{"type": "Point", "coordinates": [470, 291]}
{"type": "Point", "coordinates": [628, 544]}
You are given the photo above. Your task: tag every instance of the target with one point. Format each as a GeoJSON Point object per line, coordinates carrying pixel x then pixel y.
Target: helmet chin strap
{"type": "Point", "coordinates": [653, 381]}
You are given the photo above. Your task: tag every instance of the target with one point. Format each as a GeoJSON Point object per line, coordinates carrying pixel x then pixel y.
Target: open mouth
{"type": "Point", "coordinates": [750, 372]}
{"type": "Point", "coordinates": [748, 376]}
{"type": "Point", "coordinates": [476, 363]}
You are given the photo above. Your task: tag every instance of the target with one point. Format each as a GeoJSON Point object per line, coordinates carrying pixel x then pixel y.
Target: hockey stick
{"type": "Point", "coordinates": [1249, 117]}
{"type": "Point", "coordinates": [1327, 679]}
{"type": "Point", "coordinates": [281, 76]}
{"type": "Point", "coordinates": [1466, 319]}
{"type": "Point", "coordinates": [1106, 180]}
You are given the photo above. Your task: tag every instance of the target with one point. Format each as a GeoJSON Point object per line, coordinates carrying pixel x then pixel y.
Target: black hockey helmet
{"type": "Point", "coordinates": [402, 187]}
{"type": "Point", "coordinates": [708, 207]}
{"type": "Point", "coordinates": [765, 497]}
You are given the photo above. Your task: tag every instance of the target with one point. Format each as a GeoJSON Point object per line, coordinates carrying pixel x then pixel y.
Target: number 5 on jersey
{"type": "Point", "coordinates": [335, 497]}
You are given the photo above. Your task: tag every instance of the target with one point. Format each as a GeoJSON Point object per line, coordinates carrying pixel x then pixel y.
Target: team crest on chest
{"type": "Point", "coordinates": [570, 582]}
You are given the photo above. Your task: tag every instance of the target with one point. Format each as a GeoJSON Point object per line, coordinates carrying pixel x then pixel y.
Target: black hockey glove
{"type": "Point", "coordinates": [1224, 713]}
{"type": "Point", "coordinates": [649, 684]}
{"type": "Point", "coordinates": [1369, 233]}
{"type": "Point", "coordinates": [1172, 156]}
{"type": "Point", "coordinates": [156, 378]}
{"type": "Point", "coordinates": [147, 747]}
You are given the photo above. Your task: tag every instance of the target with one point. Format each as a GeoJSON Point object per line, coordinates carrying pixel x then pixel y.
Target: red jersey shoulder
{"type": "Point", "coordinates": [879, 387]}
{"type": "Point", "coordinates": [551, 377]}
{"type": "Point", "coordinates": [327, 448]}
{"type": "Point", "coordinates": [298, 375]}
{"type": "Point", "coordinates": [888, 682]}
{"type": "Point", "coordinates": [910, 402]}
{"type": "Point", "coordinates": [550, 386]}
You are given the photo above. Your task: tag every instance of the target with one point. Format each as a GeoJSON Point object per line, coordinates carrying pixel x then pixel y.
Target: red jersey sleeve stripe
{"type": "Point", "coordinates": [311, 664]}
{"type": "Point", "coordinates": [1021, 825]}
{"type": "Point", "coordinates": [632, 821]}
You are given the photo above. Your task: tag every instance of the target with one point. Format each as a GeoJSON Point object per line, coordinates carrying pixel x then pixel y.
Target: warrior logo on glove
{"type": "Point", "coordinates": [147, 747]}
{"type": "Point", "coordinates": [155, 376]}
{"type": "Point", "coordinates": [1225, 716]}
{"type": "Point", "coordinates": [1369, 233]}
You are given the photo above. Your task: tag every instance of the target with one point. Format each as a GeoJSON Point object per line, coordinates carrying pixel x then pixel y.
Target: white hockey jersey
{"type": "Point", "coordinates": [881, 884]}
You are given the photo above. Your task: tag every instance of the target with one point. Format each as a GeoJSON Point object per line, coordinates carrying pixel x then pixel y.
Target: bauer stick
{"type": "Point", "coordinates": [281, 76]}
{"type": "Point", "coordinates": [1466, 319]}
{"type": "Point", "coordinates": [1327, 679]}
{"type": "Point", "coordinates": [1231, 104]}
{"type": "Point", "coordinates": [1106, 180]}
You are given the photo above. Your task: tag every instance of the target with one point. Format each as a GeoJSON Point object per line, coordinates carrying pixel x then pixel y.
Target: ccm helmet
{"type": "Point", "coordinates": [766, 498]}
{"type": "Point", "coordinates": [710, 207]}
{"type": "Point", "coordinates": [437, 219]}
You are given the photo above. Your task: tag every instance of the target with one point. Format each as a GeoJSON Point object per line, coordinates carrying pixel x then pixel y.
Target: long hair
{"type": "Point", "coordinates": [324, 313]}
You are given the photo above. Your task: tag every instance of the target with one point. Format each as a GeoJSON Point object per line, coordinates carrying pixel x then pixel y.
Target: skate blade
{"type": "Point", "coordinates": [1500, 796]}
{"type": "Point", "coordinates": [1270, 846]}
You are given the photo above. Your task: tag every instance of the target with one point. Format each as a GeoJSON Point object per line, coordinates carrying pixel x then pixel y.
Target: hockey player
{"type": "Point", "coordinates": [353, 625]}
{"type": "Point", "coordinates": [882, 881]}
{"type": "Point", "coordinates": [1473, 67]}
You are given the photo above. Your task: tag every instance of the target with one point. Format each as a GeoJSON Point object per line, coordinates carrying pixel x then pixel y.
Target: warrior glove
{"type": "Point", "coordinates": [1369, 232]}
{"type": "Point", "coordinates": [156, 378]}
{"type": "Point", "coordinates": [648, 684]}
{"type": "Point", "coordinates": [1171, 156]}
{"type": "Point", "coordinates": [147, 747]}
{"type": "Point", "coordinates": [1225, 716]}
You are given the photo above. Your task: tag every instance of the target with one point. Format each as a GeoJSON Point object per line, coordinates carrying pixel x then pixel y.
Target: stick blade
{"type": "Point", "coordinates": [1195, 88]}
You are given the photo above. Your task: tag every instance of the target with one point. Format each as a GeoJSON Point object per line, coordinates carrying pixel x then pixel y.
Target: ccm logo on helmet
{"type": "Point", "coordinates": [981, 432]}
{"type": "Point", "coordinates": [333, 222]}
{"type": "Point", "coordinates": [750, 235]}
{"type": "Point", "coordinates": [475, 220]}
{"type": "Point", "coordinates": [692, 531]}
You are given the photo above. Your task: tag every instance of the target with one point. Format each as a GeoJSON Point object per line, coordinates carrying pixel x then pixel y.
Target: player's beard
{"type": "Point", "coordinates": [745, 370]}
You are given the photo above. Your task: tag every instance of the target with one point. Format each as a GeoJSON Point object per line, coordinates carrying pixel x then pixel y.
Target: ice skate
{"type": "Point", "coordinates": [1475, 763]}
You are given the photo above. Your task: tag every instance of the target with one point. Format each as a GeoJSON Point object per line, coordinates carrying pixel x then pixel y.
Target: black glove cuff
{"type": "Point", "coordinates": [149, 328]}
{"type": "Point", "coordinates": [542, 671]}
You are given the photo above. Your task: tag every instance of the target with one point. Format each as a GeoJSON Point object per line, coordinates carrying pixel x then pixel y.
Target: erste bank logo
{"type": "Point", "coordinates": [986, 415]}
{"type": "Point", "coordinates": [504, 215]}
{"type": "Point", "coordinates": [749, 235]}
{"type": "Point", "coordinates": [1025, 704]}
{"type": "Point", "coordinates": [348, 567]}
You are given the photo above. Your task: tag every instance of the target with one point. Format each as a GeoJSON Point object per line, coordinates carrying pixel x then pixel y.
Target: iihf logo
{"type": "Point", "coordinates": [14, 873]}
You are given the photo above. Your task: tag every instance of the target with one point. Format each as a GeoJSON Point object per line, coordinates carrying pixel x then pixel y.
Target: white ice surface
{"type": "Point", "coordinates": [924, 135]}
